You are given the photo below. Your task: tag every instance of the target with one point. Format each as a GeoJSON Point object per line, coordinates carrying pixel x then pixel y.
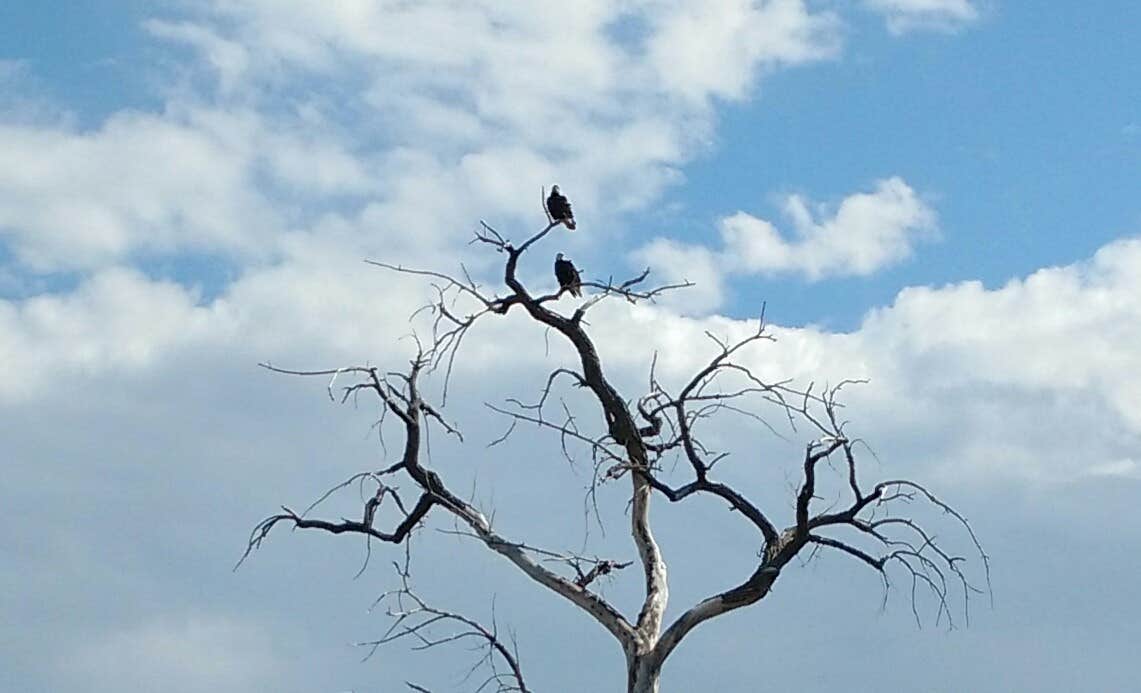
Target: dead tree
{"type": "Point", "coordinates": [634, 441]}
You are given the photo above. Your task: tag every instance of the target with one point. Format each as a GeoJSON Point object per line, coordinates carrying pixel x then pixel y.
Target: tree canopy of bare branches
{"type": "Point", "coordinates": [637, 435]}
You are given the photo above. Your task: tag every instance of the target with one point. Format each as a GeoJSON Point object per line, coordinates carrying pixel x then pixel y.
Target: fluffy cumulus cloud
{"type": "Point", "coordinates": [864, 233]}
{"type": "Point", "coordinates": [680, 263]}
{"type": "Point", "coordinates": [301, 137]}
{"type": "Point", "coordinates": [748, 36]}
{"type": "Point", "coordinates": [194, 179]}
{"type": "Point", "coordinates": [117, 321]}
{"type": "Point", "coordinates": [1038, 371]}
{"type": "Point", "coordinates": [913, 15]}
{"type": "Point", "coordinates": [612, 97]}
{"type": "Point", "coordinates": [300, 112]}
{"type": "Point", "coordinates": [1029, 382]}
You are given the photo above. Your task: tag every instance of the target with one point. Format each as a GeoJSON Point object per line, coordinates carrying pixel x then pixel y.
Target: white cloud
{"type": "Point", "coordinates": [500, 87]}
{"type": "Point", "coordinates": [428, 135]}
{"type": "Point", "coordinates": [1065, 329]}
{"type": "Point", "coordinates": [74, 199]}
{"type": "Point", "coordinates": [321, 304]}
{"type": "Point", "coordinates": [863, 234]}
{"type": "Point", "coordinates": [190, 179]}
{"type": "Point", "coordinates": [116, 321]}
{"type": "Point", "coordinates": [867, 232]}
{"type": "Point", "coordinates": [536, 60]}
{"type": "Point", "coordinates": [1033, 381]}
{"type": "Point", "coordinates": [747, 36]}
{"type": "Point", "coordinates": [915, 15]}
{"type": "Point", "coordinates": [677, 263]}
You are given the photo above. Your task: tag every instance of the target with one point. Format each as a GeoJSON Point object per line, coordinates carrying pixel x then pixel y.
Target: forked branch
{"type": "Point", "coordinates": [419, 622]}
{"type": "Point", "coordinates": [400, 393]}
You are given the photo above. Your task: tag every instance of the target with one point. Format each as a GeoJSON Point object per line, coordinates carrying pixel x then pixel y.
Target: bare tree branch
{"type": "Point", "coordinates": [416, 620]}
{"type": "Point", "coordinates": [407, 403]}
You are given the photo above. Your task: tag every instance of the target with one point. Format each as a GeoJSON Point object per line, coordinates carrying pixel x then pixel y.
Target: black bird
{"type": "Point", "coordinates": [560, 208]}
{"type": "Point", "coordinates": [567, 274]}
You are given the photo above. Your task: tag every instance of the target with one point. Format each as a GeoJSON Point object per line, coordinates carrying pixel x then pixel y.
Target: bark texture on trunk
{"type": "Point", "coordinates": [643, 674]}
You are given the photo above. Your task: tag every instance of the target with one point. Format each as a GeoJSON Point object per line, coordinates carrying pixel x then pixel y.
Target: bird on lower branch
{"type": "Point", "coordinates": [567, 274]}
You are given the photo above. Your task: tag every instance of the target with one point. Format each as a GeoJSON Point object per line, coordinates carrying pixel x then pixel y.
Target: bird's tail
{"type": "Point", "coordinates": [570, 224]}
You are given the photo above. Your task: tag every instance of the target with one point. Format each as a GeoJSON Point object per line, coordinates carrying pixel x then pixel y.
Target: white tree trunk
{"type": "Point", "coordinates": [643, 675]}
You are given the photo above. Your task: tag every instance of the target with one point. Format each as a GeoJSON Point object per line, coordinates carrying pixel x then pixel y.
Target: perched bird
{"type": "Point", "coordinates": [567, 274]}
{"type": "Point", "coordinates": [559, 208]}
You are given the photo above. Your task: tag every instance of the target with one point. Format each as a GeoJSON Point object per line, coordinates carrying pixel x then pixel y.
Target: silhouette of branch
{"type": "Point", "coordinates": [400, 392]}
{"type": "Point", "coordinates": [419, 622]}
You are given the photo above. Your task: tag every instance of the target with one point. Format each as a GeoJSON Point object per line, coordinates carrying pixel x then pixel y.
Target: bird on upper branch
{"type": "Point", "coordinates": [568, 277]}
{"type": "Point", "coordinates": [559, 208]}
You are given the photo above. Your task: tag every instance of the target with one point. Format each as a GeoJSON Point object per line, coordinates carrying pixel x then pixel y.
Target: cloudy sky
{"type": "Point", "coordinates": [938, 196]}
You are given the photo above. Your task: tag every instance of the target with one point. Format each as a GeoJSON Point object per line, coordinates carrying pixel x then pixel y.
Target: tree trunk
{"type": "Point", "coordinates": [642, 675]}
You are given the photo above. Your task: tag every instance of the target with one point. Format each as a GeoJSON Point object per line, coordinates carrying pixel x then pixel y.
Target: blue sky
{"type": "Point", "coordinates": [994, 123]}
{"type": "Point", "coordinates": [939, 196]}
